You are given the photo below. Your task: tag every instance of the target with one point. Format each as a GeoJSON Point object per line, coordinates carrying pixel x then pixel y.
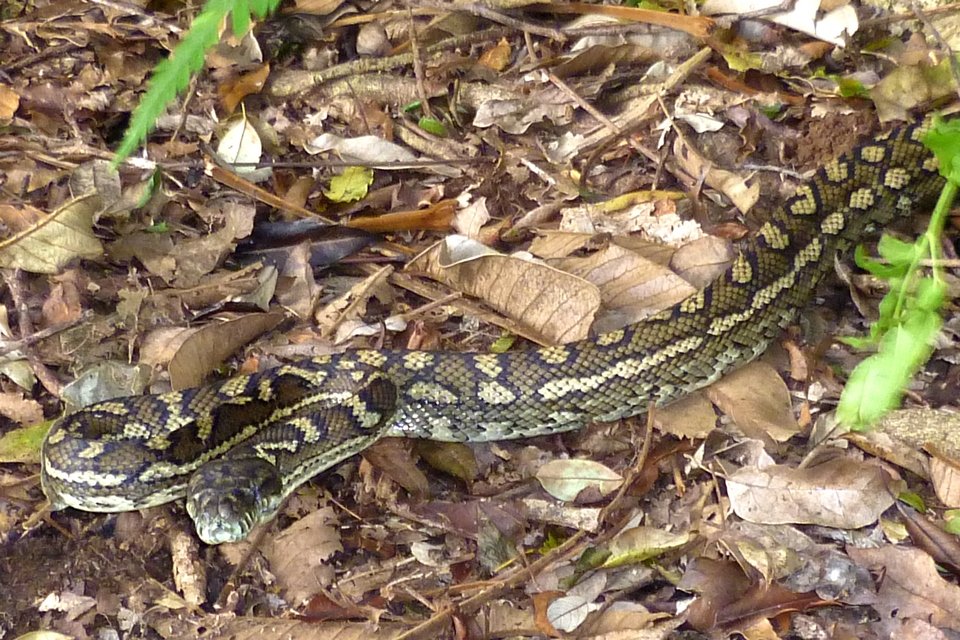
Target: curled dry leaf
{"type": "Point", "coordinates": [741, 194]}
{"type": "Point", "coordinates": [567, 479]}
{"type": "Point", "coordinates": [843, 493]}
{"type": "Point", "coordinates": [554, 304]}
{"type": "Point", "coordinates": [206, 349]}
{"type": "Point", "coordinates": [48, 244]}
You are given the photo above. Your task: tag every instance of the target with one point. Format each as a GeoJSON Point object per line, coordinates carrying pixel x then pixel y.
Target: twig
{"type": "Point", "coordinates": [491, 14]}
{"type": "Point", "coordinates": [44, 375]}
{"type": "Point", "coordinates": [6, 346]}
{"type": "Point", "coordinates": [418, 66]}
{"type": "Point", "coordinates": [292, 82]}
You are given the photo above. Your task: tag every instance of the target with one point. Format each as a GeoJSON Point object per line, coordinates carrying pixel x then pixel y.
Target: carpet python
{"type": "Point", "coordinates": [236, 448]}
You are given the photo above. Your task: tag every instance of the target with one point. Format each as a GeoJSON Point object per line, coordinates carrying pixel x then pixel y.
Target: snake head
{"type": "Point", "coordinates": [227, 498]}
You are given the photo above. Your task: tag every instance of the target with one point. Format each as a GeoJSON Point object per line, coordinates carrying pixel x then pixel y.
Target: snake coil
{"type": "Point", "coordinates": [237, 447]}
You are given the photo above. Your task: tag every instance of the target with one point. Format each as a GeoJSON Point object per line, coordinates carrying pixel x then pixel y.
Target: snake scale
{"type": "Point", "coordinates": [236, 448]}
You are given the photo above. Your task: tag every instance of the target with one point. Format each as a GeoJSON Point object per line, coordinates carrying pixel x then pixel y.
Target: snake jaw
{"type": "Point", "coordinates": [227, 498]}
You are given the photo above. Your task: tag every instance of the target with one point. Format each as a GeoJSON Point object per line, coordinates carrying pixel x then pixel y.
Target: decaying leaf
{"type": "Point", "coordinates": [298, 555]}
{"type": "Point", "coordinates": [642, 543]}
{"type": "Point", "coordinates": [842, 493]}
{"type": "Point", "coordinates": [911, 586]}
{"type": "Point", "coordinates": [47, 245]}
{"type": "Point", "coordinates": [568, 479]}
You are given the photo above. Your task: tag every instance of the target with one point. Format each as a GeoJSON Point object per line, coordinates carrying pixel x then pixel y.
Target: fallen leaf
{"type": "Point", "coordinates": [757, 400]}
{"type": "Point", "coordinates": [557, 305]}
{"type": "Point", "coordinates": [567, 479]}
{"type": "Point", "coordinates": [911, 586]}
{"type": "Point", "coordinates": [842, 493]}
{"type": "Point", "coordinates": [205, 350]}
{"type": "Point", "coordinates": [49, 244]}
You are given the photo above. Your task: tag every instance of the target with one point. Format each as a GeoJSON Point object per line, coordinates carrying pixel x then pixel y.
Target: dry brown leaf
{"type": "Point", "coordinates": [18, 409]}
{"type": "Point", "coordinates": [206, 349]}
{"type": "Point", "coordinates": [701, 261]}
{"type": "Point", "coordinates": [757, 400]}
{"type": "Point", "coordinates": [393, 458]}
{"type": "Point", "coordinates": [689, 417]}
{"type": "Point", "coordinates": [62, 304]}
{"type": "Point", "coordinates": [631, 288]}
{"type": "Point", "coordinates": [298, 554]}
{"type": "Point", "coordinates": [231, 93]}
{"type": "Point", "coordinates": [741, 194]}
{"type": "Point", "coordinates": [9, 103]}
{"type": "Point", "coordinates": [583, 481]}
{"type": "Point", "coordinates": [552, 303]}
{"type": "Point", "coordinates": [842, 493]}
{"type": "Point", "coordinates": [197, 257]}
{"type": "Point", "coordinates": [47, 245]}
{"type": "Point", "coordinates": [453, 458]}
{"type": "Point", "coordinates": [911, 586]}
{"type": "Point", "coordinates": [496, 57]}
{"type": "Point", "coordinates": [945, 476]}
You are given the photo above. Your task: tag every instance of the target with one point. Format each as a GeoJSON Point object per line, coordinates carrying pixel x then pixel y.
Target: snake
{"type": "Point", "coordinates": [237, 448]}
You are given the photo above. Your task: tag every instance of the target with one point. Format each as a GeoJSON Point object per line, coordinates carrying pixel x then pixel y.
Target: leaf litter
{"type": "Point", "coordinates": [599, 167]}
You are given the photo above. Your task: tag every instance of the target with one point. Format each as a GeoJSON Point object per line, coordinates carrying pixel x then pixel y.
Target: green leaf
{"type": "Point", "coordinates": [351, 185]}
{"type": "Point", "coordinates": [952, 524]}
{"type": "Point", "coordinates": [897, 251]}
{"type": "Point", "coordinates": [23, 444]}
{"type": "Point", "coordinates": [944, 141]}
{"type": "Point", "coordinates": [873, 389]}
{"type": "Point", "coordinates": [876, 268]}
{"type": "Point", "coordinates": [503, 343]}
{"type": "Point", "coordinates": [930, 294]}
{"type": "Point", "coordinates": [850, 88]}
{"type": "Point", "coordinates": [913, 499]}
{"type": "Point", "coordinates": [432, 125]}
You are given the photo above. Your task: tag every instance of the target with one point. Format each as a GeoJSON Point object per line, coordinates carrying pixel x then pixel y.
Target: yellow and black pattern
{"type": "Point", "coordinates": [299, 419]}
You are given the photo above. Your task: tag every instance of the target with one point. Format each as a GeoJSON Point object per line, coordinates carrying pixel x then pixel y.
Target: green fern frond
{"type": "Point", "coordinates": [171, 76]}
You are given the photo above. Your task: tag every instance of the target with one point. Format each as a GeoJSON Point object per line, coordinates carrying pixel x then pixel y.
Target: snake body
{"type": "Point", "coordinates": [237, 447]}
